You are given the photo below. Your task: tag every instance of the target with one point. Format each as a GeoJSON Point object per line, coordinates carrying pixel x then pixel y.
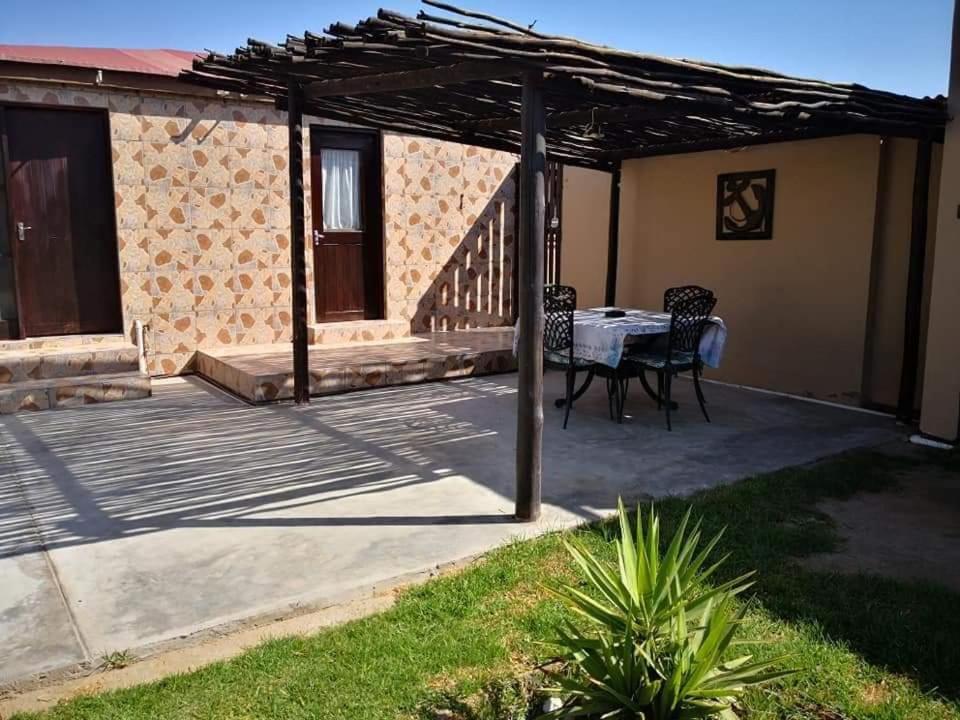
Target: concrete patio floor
{"type": "Point", "coordinates": [132, 524]}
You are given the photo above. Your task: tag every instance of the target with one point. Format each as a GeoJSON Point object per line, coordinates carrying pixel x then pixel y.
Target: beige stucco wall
{"type": "Point", "coordinates": [688, 251]}
{"type": "Point", "coordinates": [203, 222]}
{"type": "Point", "coordinates": [941, 395]}
{"type": "Point", "coordinates": [584, 221]}
{"type": "Point", "coordinates": [796, 305]}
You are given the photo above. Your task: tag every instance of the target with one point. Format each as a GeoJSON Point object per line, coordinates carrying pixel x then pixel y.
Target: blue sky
{"type": "Point", "coordinates": [899, 45]}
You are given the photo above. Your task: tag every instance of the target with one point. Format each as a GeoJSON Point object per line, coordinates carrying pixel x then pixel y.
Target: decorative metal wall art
{"type": "Point", "coordinates": [745, 205]}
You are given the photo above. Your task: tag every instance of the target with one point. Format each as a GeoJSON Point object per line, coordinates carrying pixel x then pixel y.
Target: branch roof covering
{"type": "Point", "coordinates": [602, 104]}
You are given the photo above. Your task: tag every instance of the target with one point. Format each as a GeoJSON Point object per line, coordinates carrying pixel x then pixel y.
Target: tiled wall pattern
{"type": "Point", "coordinates": [203, 223]}
{"type": "Point", "coordinates": [450, 226]}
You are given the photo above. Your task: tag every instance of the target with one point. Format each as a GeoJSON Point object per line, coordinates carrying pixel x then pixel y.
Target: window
{"type": "Point", "coordinates": [341, 189]}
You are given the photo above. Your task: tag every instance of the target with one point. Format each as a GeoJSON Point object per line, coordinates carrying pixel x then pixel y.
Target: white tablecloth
{"type": "Point", "coordinates": [600, 339]}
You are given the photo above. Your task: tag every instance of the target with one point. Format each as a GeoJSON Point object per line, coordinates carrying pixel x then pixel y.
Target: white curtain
{"type": "Point", "coordinates": [341, 189]}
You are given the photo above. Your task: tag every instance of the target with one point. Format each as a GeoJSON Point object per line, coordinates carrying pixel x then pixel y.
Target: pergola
{"type": "Point", "coordinates": [472, 78]}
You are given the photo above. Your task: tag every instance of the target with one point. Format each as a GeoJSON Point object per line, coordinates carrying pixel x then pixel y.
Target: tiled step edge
{"type": "Point", "coordinates": [357, 331]}
{"type": "Point", "coordinates": [22, 366]}
{"type": "Point", "coordinates": [62, 342]}
{"type": "Point", "coordinates": [61, 393]}
{"type": "Point", "coordinates": [335, 380]}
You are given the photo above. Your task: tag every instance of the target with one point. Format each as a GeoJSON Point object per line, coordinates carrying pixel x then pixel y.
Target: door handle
{"type": "Point", "coordinates": [22, 231]}
{"type": "Point", "coordinates": [317, 237]}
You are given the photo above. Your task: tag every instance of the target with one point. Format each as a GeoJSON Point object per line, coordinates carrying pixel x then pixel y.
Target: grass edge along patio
{"type": "Point", "coordinates": [865, 646]}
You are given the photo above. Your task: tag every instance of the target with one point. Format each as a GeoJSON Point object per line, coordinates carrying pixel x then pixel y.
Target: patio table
{"type": "Point", "coordinates": [601, 339]}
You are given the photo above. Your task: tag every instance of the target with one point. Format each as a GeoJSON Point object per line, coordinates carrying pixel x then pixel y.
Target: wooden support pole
{"type": "Point", "coordinates": [613, 238]}
{"type": "Point", "coordinates": [915, 271]}
{"type": "Point", "coordinates": [298, 260]}
{"type": "Point", "coordinates": [533, 166]}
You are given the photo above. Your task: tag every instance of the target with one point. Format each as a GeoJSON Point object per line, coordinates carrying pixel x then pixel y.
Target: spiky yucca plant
{"type": "Point", "coordinates": [656, 633]}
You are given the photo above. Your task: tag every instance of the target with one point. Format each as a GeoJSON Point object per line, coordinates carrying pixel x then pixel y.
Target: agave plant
{"type": "Point", "coordinates": [657, 633]}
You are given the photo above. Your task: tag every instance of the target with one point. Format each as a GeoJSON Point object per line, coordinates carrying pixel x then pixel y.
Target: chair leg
{"type": "Point", "coordinates": [659, 389]}
{"type": "Point", "coordinates": [667, 381]}
{"type": "Point", "coordinates": [621, 391]}
{"type": "Point", "coordinates": [571, 381]}
{"type": "Point", "coordinates": [616, 394]}
{"type": "Point", "coordinates": [696, 385]}
{"type": "Point", "coordinates": [623, 385]}
{"type": "Point", "coordinates": [611, 399]}
{"type": "Point", "coordinates": [699, 371]}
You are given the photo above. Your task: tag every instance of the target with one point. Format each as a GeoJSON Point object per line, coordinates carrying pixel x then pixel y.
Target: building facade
{"type": "Point", "coordinates": [198, 222]}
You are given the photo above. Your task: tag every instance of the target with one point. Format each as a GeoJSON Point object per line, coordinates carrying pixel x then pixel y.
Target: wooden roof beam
{"type": "Point", "coordinates": [599, 115]}
{"type": "Point", "coordinates": [412, 79]}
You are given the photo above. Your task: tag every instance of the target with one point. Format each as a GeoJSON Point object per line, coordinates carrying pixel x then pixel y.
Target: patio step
{"type": "Point", "coordinates": [354, 331]}
{"type": "Point", "coordinates": [23, 363]}
{"type": "Point", "coordinates": [66, 392]}
{"type": "Point", "coordinates": [55, 342]}
{"type": "Point", "coordinates": [265, 373]}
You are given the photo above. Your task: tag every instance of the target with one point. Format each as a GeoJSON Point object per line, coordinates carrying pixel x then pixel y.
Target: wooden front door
{"type": "Point", "coordinates": [61, 215]}
{"type": "Point", "coordinates": [347, 224]}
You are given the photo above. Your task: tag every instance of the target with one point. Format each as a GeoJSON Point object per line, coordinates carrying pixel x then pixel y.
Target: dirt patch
{"type": "Point", "coordinates": [911, 532]}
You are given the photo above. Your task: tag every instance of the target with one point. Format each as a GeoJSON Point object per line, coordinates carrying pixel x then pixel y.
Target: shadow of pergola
{"type": "Point", "coordinates": [194, 457]}
{"type": "Point", "coordinates": [198, 459]}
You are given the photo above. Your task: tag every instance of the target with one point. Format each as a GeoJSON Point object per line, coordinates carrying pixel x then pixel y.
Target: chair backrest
{"type": "Point", "coordinates": [559, 302]}
{"type": "Point", "coordinates": [673, 295]}
{"type": "Point", "coordinates": [687, 320]}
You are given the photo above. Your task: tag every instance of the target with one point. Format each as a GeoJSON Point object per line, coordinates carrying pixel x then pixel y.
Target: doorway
{"type": "Point", "coordinates": [347, 207]}
{"type": "Point", "coordinates": [60, 225]}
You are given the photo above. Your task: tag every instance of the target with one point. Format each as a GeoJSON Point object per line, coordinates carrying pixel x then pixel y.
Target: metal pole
{"type": "Point", "coordinates": [533, 161]}
{"type": "Point", "coordinates": [298, 262]}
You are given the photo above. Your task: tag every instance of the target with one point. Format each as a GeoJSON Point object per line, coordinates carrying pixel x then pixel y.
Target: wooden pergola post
{"type": "Point", "coordinates": [913, 319]}
{"type": "Point", "coordinates": [533, 165]}
{"type": "Point", "coordinates": [298, 261]}
{"type": "Point", "coordinates": [613, 238]}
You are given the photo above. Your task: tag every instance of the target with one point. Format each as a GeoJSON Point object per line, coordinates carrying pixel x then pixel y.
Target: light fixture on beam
{"type": "Point", "coordinates": [593, 129]}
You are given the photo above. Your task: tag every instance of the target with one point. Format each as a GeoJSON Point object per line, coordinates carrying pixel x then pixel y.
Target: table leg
{"type": "Point", "coordinates": [560, 402]}
{"type": "Point", "coordinates": [651, 393]}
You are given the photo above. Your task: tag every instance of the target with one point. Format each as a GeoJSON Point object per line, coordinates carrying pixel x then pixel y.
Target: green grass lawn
{"type": "Point", "coordinates": [867, 647]}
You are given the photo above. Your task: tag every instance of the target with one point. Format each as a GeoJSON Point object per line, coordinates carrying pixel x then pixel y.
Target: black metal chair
{"type": "Point", "coordinates": [559, 303]}
{"type": "Point", "coordinates": [673, 295]}
{"type": "Point", "coordinates": [688, 318]}
{"type": "Point", "coordinates": [618, 382]}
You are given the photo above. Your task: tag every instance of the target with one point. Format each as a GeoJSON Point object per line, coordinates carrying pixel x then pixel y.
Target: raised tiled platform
{"type": "Point", "coordinates": [22, 365]}
{"type": "Point", "coordinates": [66, 392]}
{"type": "Point", "coordinates": [61, 372]}
{"type": "Point", "coordinates": [265, 373]}
{"type": "Point", "coordinates": [62, 341]}
{"type": "Point", "coordinates": [352, 331]}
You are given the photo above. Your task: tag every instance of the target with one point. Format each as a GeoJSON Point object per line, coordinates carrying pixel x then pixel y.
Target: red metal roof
{"type": "Point", "coordinates": [145, 62]}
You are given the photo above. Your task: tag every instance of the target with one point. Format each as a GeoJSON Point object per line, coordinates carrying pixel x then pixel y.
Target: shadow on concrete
{"type": "Point", "coordinates": [197, 459]}
{"type": "Point", "coordinates": [193, 457]}
{"type": "Point", "coordinates": [476, 286]}
{"type": "Point", "coordinates": [191, 509]}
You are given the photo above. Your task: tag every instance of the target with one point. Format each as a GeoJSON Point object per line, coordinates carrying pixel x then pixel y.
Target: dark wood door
{"type": "Point", "coordinates": [347, 224]}
{"type": "Point", "coordinates": [61, 219]}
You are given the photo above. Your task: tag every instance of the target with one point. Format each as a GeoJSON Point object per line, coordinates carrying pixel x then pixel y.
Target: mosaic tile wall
{"type": "Point", "coordinates": [450, 225]}
{"type": "Point", "coordinates": [203, 223]}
